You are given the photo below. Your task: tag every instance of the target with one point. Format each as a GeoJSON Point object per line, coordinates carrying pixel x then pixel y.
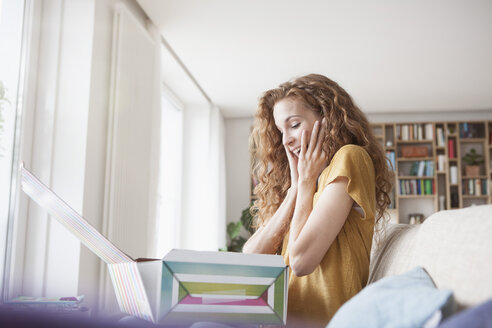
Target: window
{"type": "Point", "coordinates": [170, 177]}
{"type": "Point", "coordinates": [11, 29]}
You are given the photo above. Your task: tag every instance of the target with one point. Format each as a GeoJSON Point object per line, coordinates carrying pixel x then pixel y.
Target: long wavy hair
{"type": "Point", "coordinates": [345, 123]}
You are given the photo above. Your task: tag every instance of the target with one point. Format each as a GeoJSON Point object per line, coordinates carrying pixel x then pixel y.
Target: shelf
{"type": "Point", "coordinates": [415, 141]}
{"type": "Point", "coordinates": [441, 182]}
{"type": "Point", "coordinates": [473, 140]}
{"type": "Point", "coordinates": [414, 159]}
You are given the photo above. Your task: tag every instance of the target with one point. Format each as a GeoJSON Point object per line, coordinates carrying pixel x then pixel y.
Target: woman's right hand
{"type": "Point", "coordinates": [294, 174]}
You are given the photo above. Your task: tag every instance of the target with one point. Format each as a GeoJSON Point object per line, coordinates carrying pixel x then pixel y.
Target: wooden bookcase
{"type": "Point", "coordinates": [430, 174]}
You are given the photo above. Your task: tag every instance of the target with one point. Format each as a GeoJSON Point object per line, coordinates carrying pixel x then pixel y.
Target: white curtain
{"type": "Point", "coordinates": [133, 140]}
{"type": "Point", "coordinates": [203, 208]}
{"type": "Point", "coordinates": [170, 176]}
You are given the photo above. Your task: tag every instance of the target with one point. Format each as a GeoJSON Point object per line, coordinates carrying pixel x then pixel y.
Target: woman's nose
{"type": "Point", "coordinates": [287, 139]}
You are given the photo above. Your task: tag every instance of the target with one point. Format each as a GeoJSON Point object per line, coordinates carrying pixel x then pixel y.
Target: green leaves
{"type": "Point", "coordinates": [247, 220]}
{"type": "Point", "coordinates": [473, 158]}
{"type": "Point", "coordinates": [233, 229]}
{"type": "Point", "coordinates": [236, 242]}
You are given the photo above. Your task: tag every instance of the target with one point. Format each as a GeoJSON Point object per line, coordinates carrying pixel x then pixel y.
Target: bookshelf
{"type": "Point", "coordinates": [430, 174]}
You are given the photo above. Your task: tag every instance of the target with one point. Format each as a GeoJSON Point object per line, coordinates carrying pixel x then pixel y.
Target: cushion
{"type": "Point", "coordinates": [478, 316]}
{"type": "Point", "coordinates": [406, 300]}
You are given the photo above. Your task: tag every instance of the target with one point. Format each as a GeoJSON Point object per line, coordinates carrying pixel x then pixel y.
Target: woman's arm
{"type": "Point", "coordinates": [265, 240]}
{"type": "Point", "coordinates": [313, 230]}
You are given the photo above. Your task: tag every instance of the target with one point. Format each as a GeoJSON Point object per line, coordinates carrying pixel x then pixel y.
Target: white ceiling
{"type": "Point", "coordinates": [390, 55]}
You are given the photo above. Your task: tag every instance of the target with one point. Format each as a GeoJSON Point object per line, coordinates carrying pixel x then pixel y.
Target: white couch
{"type": "Point", "coordinates": [455, 248]}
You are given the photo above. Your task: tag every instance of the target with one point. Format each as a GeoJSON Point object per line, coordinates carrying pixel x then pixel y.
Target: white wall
{"type": "Point", "coordinates": [237, 166]}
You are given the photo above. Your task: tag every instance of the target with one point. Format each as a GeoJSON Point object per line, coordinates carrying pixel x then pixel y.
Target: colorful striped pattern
{"type": "Point", "coordinates": [233, 293]}
{"type": "Point", "coordinates": [124, 273]}
{"type": "Point", "coordinates": [68, 217]}
{"type": "Point", "coordinates": [130, 290]}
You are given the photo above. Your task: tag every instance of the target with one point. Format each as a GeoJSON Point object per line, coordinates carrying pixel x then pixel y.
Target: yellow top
{"type": "Point", "coordinates": [344, 270]}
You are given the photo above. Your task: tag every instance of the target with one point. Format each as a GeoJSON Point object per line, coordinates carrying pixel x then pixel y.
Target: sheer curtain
{"type": "Point", "coordinates": [203, 206]}
{"type": "Point", "coordinates": [170, 177]}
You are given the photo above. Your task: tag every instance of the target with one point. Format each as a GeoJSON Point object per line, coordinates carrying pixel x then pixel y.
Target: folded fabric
{"type": "Point", "coordinates": [475, 317]}
{"type": "Point", "coordinates": [406, 300]}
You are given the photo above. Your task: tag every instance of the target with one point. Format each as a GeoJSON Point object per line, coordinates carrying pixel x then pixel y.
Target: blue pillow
{"type": "Point", "coordinates": [478, 316]}
{"type": "Point", "coordinates": [406, 300]}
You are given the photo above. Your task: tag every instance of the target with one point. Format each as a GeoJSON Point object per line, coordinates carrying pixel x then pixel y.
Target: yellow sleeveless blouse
{"type": "Point", "coordinates": [344, 270]}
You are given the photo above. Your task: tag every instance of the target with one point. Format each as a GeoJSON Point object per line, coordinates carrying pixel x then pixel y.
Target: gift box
{"type": "Point", "coordinates": [185, 286]}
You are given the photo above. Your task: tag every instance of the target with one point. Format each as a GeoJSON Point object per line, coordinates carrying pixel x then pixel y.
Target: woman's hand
{"type": "Point", "coordinates": [293, 161]}
{"type": "Point", "coordinates": [312, 158]}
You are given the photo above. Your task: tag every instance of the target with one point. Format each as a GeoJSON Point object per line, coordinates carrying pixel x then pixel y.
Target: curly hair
{"type": "Point", "coordinates": [345, 124]}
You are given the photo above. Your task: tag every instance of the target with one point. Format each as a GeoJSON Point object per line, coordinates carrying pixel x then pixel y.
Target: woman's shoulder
{"type": "Point", "coordinates": [347, 157]}
{"type": "Point", "coordinates": [352, 151]}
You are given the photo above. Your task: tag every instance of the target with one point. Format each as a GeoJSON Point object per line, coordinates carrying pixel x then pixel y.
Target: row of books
{"type": "Point", "coordinates": [416, 131]}
{"type": "Point", "coordinates": [475, 187]}
{"type": "Point", "coordinates": [417, 187]}
{"type": "Point", "coordinates": [422, 168]}
{"type": "Point", "coordinates": [472, 130]}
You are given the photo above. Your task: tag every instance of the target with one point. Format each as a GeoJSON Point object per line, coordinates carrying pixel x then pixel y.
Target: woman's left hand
{"type": "Point", "coordinates": [312, 158]}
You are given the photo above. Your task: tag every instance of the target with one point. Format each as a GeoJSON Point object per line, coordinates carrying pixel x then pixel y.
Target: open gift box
{"type": "Point", "coordinates": [185, 286]}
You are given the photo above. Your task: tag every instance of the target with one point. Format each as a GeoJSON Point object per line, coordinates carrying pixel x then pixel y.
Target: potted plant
{"type": "Point", "coordinates": [236, 242]}
{"type": "Point", "coordinates": [473, 161]}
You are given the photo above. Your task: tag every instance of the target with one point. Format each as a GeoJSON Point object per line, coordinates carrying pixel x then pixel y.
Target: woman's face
{"type": "Point", "coordinates": [291, 117]}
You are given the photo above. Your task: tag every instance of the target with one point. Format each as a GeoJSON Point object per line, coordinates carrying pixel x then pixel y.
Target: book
{"type": "Point", "coordinates": [453, 172]}
{"type": "Point", "coordinates": [421, 168]}
{"type": "Point", "coordinates": [439, 135]}
{"type": "Point", "coordinates": [50, 304]}
{"type": "Point", "coordinates": [441, 163]}
{"type": "Point", "coordinates": [451, 152]}
{"type": "Point", "coordinates": [478, 187]}
{"type": "Point", "coordinates": [391, 157]}
{"type": "Point", "coordinates": [429, 132]}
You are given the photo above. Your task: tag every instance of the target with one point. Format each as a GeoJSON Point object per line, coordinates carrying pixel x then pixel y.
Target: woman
{"type": "Point", "coordinates": [323, 185]}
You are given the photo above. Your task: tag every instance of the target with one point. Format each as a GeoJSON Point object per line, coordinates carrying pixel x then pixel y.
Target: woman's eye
{"type": "Point", "coordinates": [295, 125]}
